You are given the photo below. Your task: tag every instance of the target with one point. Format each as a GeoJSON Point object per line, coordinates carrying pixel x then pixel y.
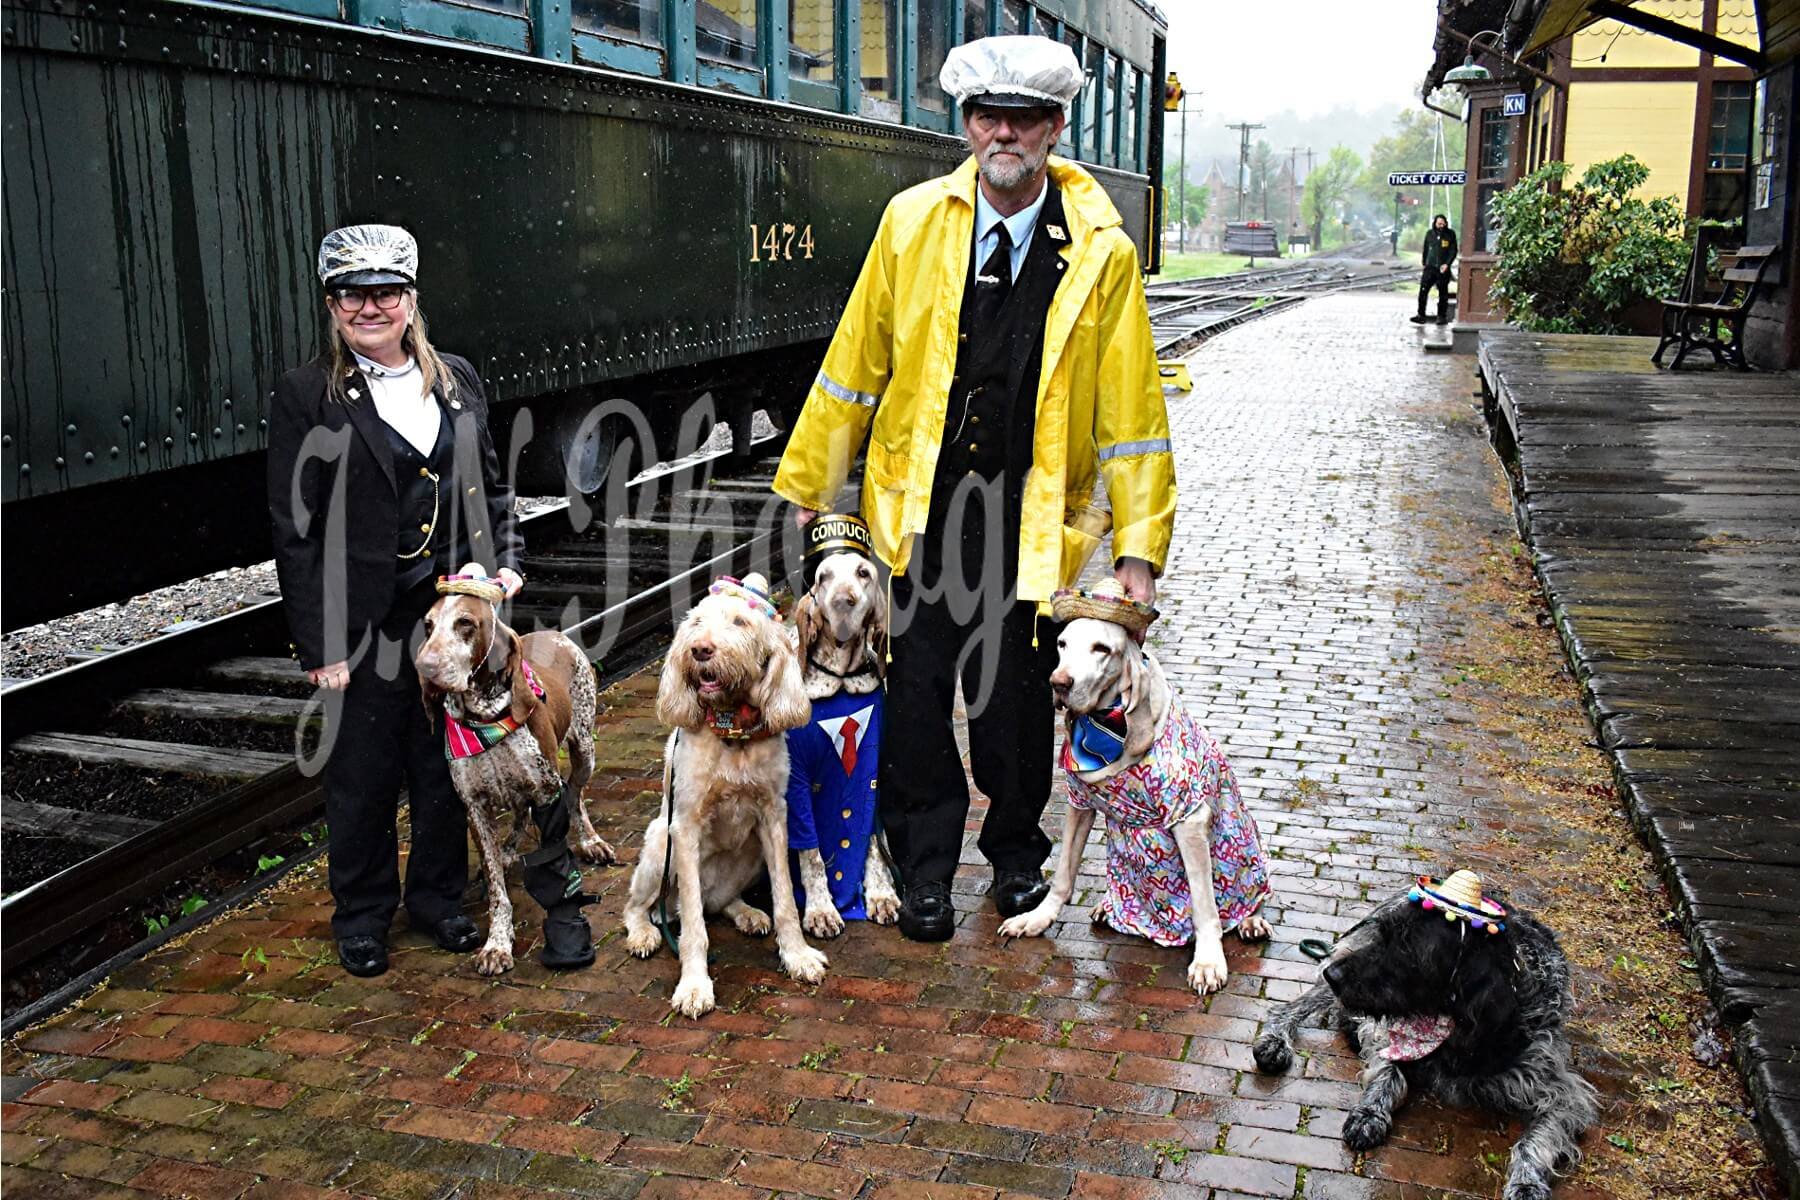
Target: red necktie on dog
{"type": "Point", "coordinates": [847, 731]}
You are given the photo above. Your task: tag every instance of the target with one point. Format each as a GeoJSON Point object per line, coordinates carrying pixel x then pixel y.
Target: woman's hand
{"type": "Point", "coordinates": [333, 678]}
{"type": "Point", "coordinates": [804, 516]}
{"type": "Point", "coordinates": [511, 580]}
{"type": "Point", "coordinates": [1138, 579]}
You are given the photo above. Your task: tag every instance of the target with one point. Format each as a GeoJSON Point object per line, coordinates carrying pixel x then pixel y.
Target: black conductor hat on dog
{"type": "Point", "coordinates": [835, 533]}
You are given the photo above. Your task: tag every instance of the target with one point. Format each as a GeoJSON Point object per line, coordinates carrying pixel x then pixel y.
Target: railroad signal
{"type": "Point", "coordinates": [1172, 93]}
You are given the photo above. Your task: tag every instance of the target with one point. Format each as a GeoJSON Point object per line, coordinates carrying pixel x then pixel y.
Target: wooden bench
{"type": "Point", "coordinates": [1693, 322]}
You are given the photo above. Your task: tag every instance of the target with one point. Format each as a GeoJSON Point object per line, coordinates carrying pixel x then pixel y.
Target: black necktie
{"type": "Point", "coordinates": [994, 283]}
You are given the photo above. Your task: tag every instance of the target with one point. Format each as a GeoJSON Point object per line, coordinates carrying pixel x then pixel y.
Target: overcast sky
{"type": "Point", "coordinates": [1253, 59]}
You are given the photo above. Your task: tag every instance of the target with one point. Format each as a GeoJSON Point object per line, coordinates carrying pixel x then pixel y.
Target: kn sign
{"type": "Point", "coordinates": [1512, 104]}
{"type": "Point", "coordinates": [1427, 178]}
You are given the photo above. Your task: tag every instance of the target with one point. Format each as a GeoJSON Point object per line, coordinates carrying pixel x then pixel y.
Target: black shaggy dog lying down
{"type": "Point", "coordinates": [1444, 991]}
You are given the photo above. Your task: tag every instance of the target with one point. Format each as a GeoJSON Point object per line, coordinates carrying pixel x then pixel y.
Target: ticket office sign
{"type": "Point", "coordinates": [1427, 178]}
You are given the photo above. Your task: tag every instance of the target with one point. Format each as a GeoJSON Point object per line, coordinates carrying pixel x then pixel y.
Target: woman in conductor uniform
{"type": "Point", "coordinates": [383, 476]}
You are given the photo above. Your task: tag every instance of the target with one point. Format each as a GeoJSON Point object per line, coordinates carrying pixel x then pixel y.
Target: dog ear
{"type": "Point", "coordinates": [495, 660]}
{"type": "Point", "coordinates": [875, 629]}
{"type": "Point", "coordinates": [431, 698]}
{"type": "Point", "coordinates": [523, 698]}
{"type": "Point", "coordinates": [676, 704]}
{"type": "Point", "coordinates": [780, 693]}
{"type": "Point", "coordinates": [809, 625]}
{"type": "Point", "coordinates": [1131, 678]}
{"type": "Point", "coordinates": [1485, 999]}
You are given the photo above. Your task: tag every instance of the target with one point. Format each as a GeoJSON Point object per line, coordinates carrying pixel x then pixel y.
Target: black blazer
{"type": "Point", "coordinates": [1440, 247]}
{"type": "Point", "coordinates": [334, 504]}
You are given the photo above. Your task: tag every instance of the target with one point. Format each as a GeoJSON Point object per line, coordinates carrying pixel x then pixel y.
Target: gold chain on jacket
{"type": "Point", "coordinates": [430, 529]}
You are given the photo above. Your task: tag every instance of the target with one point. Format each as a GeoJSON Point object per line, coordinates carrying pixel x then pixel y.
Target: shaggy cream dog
{"type": "Point", "coordinates": [730, 687]}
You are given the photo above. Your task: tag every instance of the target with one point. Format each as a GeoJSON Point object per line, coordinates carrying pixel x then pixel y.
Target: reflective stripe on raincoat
{"type": "Point", "coordinates": [887, 377]}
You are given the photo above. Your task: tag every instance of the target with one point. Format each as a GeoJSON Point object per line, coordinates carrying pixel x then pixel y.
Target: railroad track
{"type": "Point", "coordinates": [1185, 313]}
{"type": "Point", "coordinates": [151, 764]}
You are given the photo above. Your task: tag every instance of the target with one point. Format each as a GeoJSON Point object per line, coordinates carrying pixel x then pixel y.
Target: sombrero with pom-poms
{"type": "Point", "coordinates": [1106, 601]}
{"type": "Point", "coordinates": [1459, 898]}
{"type": "Point", "coordinates": [753, 597]}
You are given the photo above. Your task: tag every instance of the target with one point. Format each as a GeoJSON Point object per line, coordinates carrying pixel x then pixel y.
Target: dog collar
{"type": "Point", "coordinates": [863, 668]}
{"type": "Point", "coordinates": [465, 739]}
{"type": "Point", "coordinates": [743, 724]}
{"type": "Point", "coordinates": [1096, 739]}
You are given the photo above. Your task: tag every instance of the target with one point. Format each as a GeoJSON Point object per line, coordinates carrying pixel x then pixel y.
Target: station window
{"type": "Point", "coordinates": [1493, 158]}
{"type": "Point", "coordinates": [1066, 145]}
{"type": "Point", "coordinates": [725, 31]}
{"type": "Point", "coordinates": [880, 59]}
{"type": "Point", "coordinates": [933, 44]}
{"type": "Point", "coordinates": [637, 21]}
{"type": "Point", "coordinates": [1093, 104]}
{"type": "Point", "coordinates": [812, 38]}
{"type": "Point", "coordinates": [975, 20]}
{"type": "Point", "coordinates": [1727, 150]}
{"type": "Point", "coordinates": [1015, 17]}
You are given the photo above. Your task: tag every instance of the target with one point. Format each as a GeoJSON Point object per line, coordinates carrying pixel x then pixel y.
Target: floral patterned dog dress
{"type": "Point", "coordinates": [1146, 885]}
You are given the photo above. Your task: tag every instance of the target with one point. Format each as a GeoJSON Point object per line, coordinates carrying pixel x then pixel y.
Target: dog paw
{"type": "Point", "coordinates": [493, 960]}
{"type": "Point", "coordinates": [805, 964]}
{"type": "Point", "coordinates": [753, 922]}
{"type": "Point", "coordinates": [823, 921]}
{"type": "Point", "coordinates": [1526, 1187]}
{"type": "Point", "coordinates": [883, 907]}
{"type": "Point", "coordinates": [643, 940]}
{"type": "Point", "coordinates": [1272, 1053]}
{"type": "Point", "coordinates": [1253, 929]}
{"type": "Point", "coordinates": [1030, 924]}
{"type": "Point", "coordinates": [596, 850]}
{"type": "Point", "coordinates": [693, 997]}
{"type": "Point", "coordinates": [1207, 973]}
{"type": "Point", "coordinates": [1365, 1129]}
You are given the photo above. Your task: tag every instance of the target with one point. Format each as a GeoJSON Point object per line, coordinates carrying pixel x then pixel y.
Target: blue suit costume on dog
{"type": "Point", "coordinates": [831, 793]}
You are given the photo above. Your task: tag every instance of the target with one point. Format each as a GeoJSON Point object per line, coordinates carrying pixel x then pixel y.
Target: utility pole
{"type": "Point", "coordinates": [1243, 129]}
{"type": "Point", "coordinates": [1293, 184]}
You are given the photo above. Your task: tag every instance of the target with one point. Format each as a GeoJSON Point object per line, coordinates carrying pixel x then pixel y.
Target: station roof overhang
{"type": "Point", "coordinates": [1532, 26]}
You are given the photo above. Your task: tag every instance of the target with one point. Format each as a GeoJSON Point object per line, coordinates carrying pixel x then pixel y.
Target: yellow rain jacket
{"type": "Point", "coordinates": [1099, 397]}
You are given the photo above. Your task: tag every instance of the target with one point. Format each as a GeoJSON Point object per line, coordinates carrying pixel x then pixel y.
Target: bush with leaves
{"type": "Point", "coordinates": [1575, 256]}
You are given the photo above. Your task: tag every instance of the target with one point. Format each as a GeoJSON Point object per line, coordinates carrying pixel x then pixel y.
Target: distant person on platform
{"type": "Point", "coordinates": [996, 356]}
{"type": "Point", "coordinates": [1439, 254]}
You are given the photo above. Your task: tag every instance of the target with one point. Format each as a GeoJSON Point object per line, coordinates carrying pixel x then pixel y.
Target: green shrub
{"type": "Point", "coordinates": [1575, 256]}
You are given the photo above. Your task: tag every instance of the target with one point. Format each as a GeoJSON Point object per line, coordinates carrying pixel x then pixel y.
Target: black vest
{"type": "Point", "coordinates": [426, 485]}
{"type": "Point", "coordinates": [991, 416]}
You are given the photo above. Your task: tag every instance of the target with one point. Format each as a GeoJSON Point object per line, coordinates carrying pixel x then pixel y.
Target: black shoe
{"type": "Point", "coordinates": [1016, 892]}
{"type": "Point", "coordinates": [363, 956]}
{"type": "Point", "coordinates": [927, 915]}
{"type": "Point", "coordinates": [1419, 320]}
{"type": "Point", "coordinates": [568, 942]}
{"type": "Point", "coordinates": [456, 934]}
{"type": "Point", "coordinates": [1443, 320]}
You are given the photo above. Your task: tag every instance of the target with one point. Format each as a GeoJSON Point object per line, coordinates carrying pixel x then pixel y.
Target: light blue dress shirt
{"type": "Point", "coordinates": [1020, 226]}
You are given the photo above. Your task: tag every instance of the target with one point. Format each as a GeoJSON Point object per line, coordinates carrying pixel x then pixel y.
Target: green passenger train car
{"type": "Point", "coordinates": [658, 201]}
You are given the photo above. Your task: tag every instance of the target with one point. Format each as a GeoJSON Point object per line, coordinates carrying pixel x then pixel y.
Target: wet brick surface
{"type": "Point", "coordinates": [1303, 626]}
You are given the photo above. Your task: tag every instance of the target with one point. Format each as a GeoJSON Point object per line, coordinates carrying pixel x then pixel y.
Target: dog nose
{"type": "Point", "coordinates": [1334, 975]}
{"type": "Point", "coordinates": [1060, 680]}
{"type": "Point", "coordinates": [702, 651]}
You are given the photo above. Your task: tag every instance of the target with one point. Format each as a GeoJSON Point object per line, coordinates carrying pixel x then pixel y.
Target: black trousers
{"type": "Point", "coordinates": [924, 795]}
{"type": "Point", "coordinates": [1440, 279]}
{"type": "Point", "coordinates": [382, 742]}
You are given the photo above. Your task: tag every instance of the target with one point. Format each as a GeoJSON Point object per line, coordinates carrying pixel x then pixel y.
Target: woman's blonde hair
{"type": "Point", "coordinates": [414, 341]}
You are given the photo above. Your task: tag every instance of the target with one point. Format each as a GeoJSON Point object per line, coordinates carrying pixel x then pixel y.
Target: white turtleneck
{"type": "Point", "coordinates": [402, 401]}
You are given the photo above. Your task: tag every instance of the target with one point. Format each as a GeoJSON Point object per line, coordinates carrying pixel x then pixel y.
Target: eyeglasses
{"type": "Point", "coordinates": [349, 300]}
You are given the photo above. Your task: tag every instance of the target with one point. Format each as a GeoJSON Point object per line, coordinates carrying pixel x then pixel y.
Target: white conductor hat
{"type": "Point", "coordinates": [1012, 72]}
{"type": "Point", "coordinates": [365, 255]}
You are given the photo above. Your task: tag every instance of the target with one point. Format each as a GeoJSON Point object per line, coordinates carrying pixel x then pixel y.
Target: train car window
{"type": "Point", "coordinates": [975, 20]}
{"type": "Point", "coordinates": [638, 21]}
{"type": "Point", "coordinates": [1134, 110]}
{"type": "Point", "coordinates": [933, 44]}
{"type": "Point", "coordinates": [1069, 144]}
{"type": "Point", "coordinates": [725, 31]}
{"type": "Point", "coordinates": [812, 41]}
{"type": "Point", "coordinates": [1115, 112]}
{"type": "Point", "coordinates": [880, 59]}
{"type": "Point", "coordinates": [1093, 104]}
{"type": "Point", "coordinates": [1014, 17]}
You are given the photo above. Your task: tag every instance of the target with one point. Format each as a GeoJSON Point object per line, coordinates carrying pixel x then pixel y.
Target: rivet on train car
{"type": "Point", "coordinates": [178, 412]}
{"type": "Point", "coordinates": [217, 432]}
{"type": "Point", "coordinates": [88, 457]}
{"type": "Point", "coordinates": [24, 468]}
{"type": "Point", "coordinates": [115, 452]}
{"type": "Point", "coordinates": [71, 427]}
{"type": "Point", "coordinates": [228, 402]}
{"type": "Point", "coordinates": [263, 424]}
{"type": "Point", "coordinates": [240, 427]}
{"type": "Point", "coordinates": [193, 437]}
{"type": "Point", "coordinates": [5, 441]}
{"type": "Point", "coordinates": [168, 443]}
{"type": "Point", "coordinates": [60, 461]}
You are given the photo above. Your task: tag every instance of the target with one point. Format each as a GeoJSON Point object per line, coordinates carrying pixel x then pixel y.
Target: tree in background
{"type": "Point", "coordinates": [1328, 189]}
{"type": "Point", "coordinates": [1199, 197]}
{"type": "Point", "coordinates": [1262, 181]}
{"type": "Point", "coordinates": [1575, 256]}
{"type": "Point", "coordinates": [1410, 148]}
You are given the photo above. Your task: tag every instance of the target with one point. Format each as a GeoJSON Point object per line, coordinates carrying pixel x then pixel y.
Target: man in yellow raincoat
{"type": "Point", "coordinates": [996, 357]}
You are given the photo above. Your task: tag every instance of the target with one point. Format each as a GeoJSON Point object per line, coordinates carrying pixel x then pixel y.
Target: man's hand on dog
{"type": "Point", "coordinates": [1137, 578]}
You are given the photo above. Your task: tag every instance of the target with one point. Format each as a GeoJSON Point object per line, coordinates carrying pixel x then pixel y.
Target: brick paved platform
{"type": "Point", "coordinates": [1347, 610]}
{"type": "Point", "coordinates": [1663, 511]}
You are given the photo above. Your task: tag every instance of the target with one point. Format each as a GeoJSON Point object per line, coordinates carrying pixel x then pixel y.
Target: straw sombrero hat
{"type": "Point", "coordinates": [1459, 898]}
{"type": "Point", "coordinates": [472, 581]}
{"type": "Point", "coordinates": [1106, 601]}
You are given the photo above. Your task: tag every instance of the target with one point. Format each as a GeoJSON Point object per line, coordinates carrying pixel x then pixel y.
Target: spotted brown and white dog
{"type": "Point", "coordinates": [483, 673]}
{"type": "Point", "coordinates": [730, 688]}
{"type": "Point", "coordinates": [1472, 1017]}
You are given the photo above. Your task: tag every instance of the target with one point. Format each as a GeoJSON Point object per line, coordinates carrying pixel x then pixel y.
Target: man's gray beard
{"type": "Point", "coordinates": [1006, 179]}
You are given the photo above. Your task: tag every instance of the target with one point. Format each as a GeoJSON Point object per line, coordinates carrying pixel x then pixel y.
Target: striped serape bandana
{"type": "Point", "coordinates": [465, 739]}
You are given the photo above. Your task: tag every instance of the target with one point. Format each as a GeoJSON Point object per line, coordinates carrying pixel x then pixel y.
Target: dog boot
{"type": "Point", "coordinates": [568, 941]}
